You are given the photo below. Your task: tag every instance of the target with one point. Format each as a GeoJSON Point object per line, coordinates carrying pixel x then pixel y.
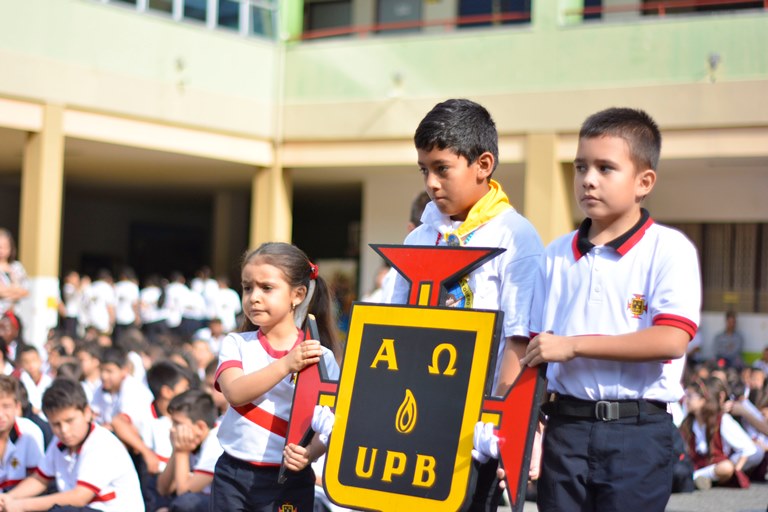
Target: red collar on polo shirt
{"type": "Point", "coordinates": [277, 354]}
{"type": "Point", "coordinates": [15, 433]}
{"type": "Point", "coordinates": [622, 245]}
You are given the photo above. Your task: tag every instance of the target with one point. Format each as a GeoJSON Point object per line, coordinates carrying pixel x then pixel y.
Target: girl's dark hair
{"type": "Point", "coordinates": [12, 255]}
{"type": "Point", "coordinates": [711, 411]}
{"type": "Point", "coordinates": [295, 265]}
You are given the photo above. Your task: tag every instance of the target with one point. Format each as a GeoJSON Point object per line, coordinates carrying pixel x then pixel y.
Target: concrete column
{"type": "Point", "coordinates": [40, 224]}
{"type": "Point", "coordinates": [291, 14]}
{"type": "Point", "coordinates": [271, 218]}
{"type": "Point", "coordinates": [223, 220]}
{"type": "Point", "coordinates": [547, 187]}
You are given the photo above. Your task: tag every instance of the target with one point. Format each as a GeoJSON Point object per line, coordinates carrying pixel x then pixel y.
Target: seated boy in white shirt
{"type": "Point", "coordinates": [90, 466]}
{"type": "Point", "coordinates": [21, 440]}
{"type": "Point", "coordinates": [196, 448]}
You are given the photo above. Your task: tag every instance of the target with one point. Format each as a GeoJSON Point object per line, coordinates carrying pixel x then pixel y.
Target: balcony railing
{"type": "Point", "coordinates": [448, 24]}
{"type": "Point", "coordinates": [664, 7]}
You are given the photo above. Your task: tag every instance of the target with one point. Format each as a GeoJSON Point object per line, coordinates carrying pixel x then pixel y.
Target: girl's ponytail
{"type": "Point", "coordinates": [321, 306]}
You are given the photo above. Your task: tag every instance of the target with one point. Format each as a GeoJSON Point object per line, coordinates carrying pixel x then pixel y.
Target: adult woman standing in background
{"type": "Point", "coordinates": [13, 277]}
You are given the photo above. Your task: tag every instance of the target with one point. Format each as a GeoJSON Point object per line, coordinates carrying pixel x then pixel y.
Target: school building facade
{"type": "Point", "coordinates": [167, 134]}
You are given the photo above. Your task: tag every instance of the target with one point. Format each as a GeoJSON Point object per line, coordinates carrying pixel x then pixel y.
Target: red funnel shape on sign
{"type": "Point", "coordinates": [433, 266]}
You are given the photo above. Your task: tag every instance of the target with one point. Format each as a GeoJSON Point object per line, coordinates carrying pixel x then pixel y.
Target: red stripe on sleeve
{"type": "Point", "coordinates": [9, 483]}
{"type": "Point", "coordinates": [37, 470]}
{"type": "Point", "coordinates": [223, 366]}
{"type": "Point", "coordinates": [676, 321]}
{"type": "Point", "coordinates": [90, 487]}
{"type": "Point", "coordinates": [107, 497]}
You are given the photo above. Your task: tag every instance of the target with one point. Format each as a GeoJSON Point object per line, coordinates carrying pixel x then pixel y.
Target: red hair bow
{"type": "Point", "coordinates": [314, 271]}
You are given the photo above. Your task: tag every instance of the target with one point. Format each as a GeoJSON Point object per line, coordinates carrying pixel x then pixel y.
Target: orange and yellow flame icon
{"type": "Point", "coordinates": [407, 414]}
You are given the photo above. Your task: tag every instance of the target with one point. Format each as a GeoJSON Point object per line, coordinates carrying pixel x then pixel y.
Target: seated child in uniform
{"type": "Point", "coordinates": [90, 466]}
{"type": "Point", "coordinates": [21, 440]}
{"type": "Point", "coordinates": [196, 448]}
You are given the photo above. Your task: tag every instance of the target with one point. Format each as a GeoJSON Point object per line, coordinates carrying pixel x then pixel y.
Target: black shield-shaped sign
{"type": "Point", "coordinates": [411, 390]}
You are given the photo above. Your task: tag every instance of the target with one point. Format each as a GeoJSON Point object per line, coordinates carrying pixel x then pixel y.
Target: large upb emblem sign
{"type": "Point", "coordinates": [414, 381]}
{"type": "Point", "coordinates": [409, 397]}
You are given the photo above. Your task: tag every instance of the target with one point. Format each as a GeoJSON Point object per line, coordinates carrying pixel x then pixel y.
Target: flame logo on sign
{"type": "Point", "coordinates": [406, 414]}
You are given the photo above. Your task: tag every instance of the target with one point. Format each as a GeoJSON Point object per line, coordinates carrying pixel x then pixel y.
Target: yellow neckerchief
{"type": "Point", "coordinates": [490, 205]}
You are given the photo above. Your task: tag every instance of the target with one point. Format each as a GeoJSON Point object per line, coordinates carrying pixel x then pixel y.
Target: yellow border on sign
{"type": "Point", "coordinates": [479, 321]}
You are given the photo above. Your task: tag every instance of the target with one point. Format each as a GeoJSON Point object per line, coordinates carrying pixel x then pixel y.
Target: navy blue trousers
{"type": "Point", "coordinates": [591, 465]}
{"type": "Point", "coordinates": [240, 486]}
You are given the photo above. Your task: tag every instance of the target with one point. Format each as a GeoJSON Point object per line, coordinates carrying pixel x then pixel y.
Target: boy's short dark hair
{"type": "Point", "coordinates": [165, 373]}
{"type": "Point", "coordinates": [114, 355]}
{"type": "Point", "coordinates": [91, 348]}
{"type": "Point", "coordinates": [634, 126]}
{"type": "Point", "coordinates": [23, 348]}
{"type": "Point", "coordinates": [71, 370]}
{"type": "Point", "coordinates": [9, 386]}
{"type": "Point", "coordinates": [63, 393]}
{"type": "Point", "coordinates": [196, 405]}
{"type": "Point", "coordinates": [211, 368]}
{"type": "Point", "coordinates": [462, 126]}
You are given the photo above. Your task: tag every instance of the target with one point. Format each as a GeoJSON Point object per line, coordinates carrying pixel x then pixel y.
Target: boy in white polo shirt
{"type": "Point", "coordinates": [623, 299]}
{"type": "Point", "coordinates": [90, 466]}
{"type": "Point", "coordinates": [21, 441]}
{"type": "Point", "coordinates": [457, 148]}
{"type": "Point", "coordinates": [196, 449]}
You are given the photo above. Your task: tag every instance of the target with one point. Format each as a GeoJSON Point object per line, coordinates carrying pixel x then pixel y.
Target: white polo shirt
{"type": "Point", "coordinates": [204, 459]}
{"type": "Point", "coordinates": [98, 297]}
{"type": "Point", "coordinates": [256, 432]}
{"type": "Point", "coordinates": [34, 389]}
{"type": "Point", "coordinates": [126, 298]}
{"type": "Point", "coordinates": [648, 276]}
{"type": "Point", "coordinates": [227, 306]}
{"type": "Point", "coordinates": [134, 400]}
{"type": "Point", "coordinates": [511, 282]}
{"type": "Point", "coordinates": [157, 437]}
{"type": "Point", "coordinates": [150, 309]}
{"type": "Point", "coordinates": [23, 453]}
{"type": "Point", "coordinates": [102, 465]}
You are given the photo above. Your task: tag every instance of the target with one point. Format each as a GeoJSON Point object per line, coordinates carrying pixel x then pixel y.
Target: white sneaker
{"type": "Point", "coordinates": [702, 483]}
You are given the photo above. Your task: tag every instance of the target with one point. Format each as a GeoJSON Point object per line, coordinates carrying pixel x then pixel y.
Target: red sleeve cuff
{"type": "Point", "coordinates": [223, 366]}
{"type": "Point", "coordinates": [676, 321]}
{"type": "Point", "coordinates": [37, 470]}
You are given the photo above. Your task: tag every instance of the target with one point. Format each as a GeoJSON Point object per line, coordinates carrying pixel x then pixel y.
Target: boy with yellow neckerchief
{"type": "Point", "coordinates": [457, 147]}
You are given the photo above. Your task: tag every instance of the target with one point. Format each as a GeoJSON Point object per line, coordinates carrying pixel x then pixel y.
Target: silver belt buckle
{"type": "Point", "coordinates": [607, 411]}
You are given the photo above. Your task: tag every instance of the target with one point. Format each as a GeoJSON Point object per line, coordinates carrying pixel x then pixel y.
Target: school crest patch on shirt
{"type": "Point", "coordinates": [287, 507]}
{"type": "Point", "coordinates": [637, 305]}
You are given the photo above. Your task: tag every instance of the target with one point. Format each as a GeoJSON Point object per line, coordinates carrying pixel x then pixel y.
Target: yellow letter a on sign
{"type": "Point", "coordinates": [386, 353]}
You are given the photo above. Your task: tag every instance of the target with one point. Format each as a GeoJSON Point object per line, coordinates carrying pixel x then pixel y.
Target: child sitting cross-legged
{"type": "Point", "coordinates": [90, 466]}
{"type": "Point", "coordinates": [196, 448]}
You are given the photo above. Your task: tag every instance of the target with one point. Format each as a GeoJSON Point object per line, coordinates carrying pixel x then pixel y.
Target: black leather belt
{"type": "Point", "coordinates": [602, 410]}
